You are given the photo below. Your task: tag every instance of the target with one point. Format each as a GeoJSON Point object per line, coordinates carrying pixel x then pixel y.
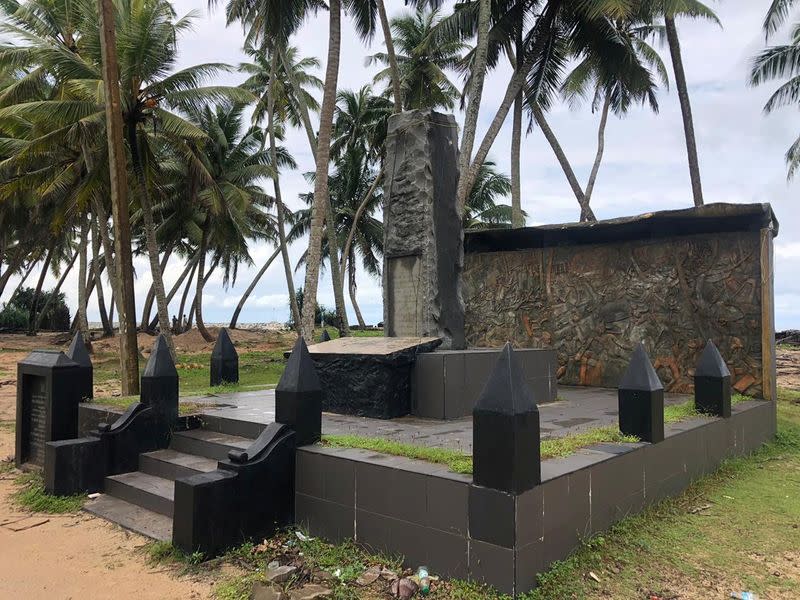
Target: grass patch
{"type": "Point", "coordinates": [161, 552]}
{"type": "Point", "coordinates": [6, 466]}
{"type": "Point", "coordinates": [334, 333]}
{"type": "Point", "coordinates": [123, 402]}
{"type": "Point", "coordinates": [31, 496]}
{"type": "Point", "coordinates": [459, 462]}
{"type": "Point", "coordinates": [8, 426]}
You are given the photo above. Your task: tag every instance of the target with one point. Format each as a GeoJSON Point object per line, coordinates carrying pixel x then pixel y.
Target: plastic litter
{"type": "Point", "coordinates": [744, 596]}
{"type": "Point", "coordinates": [424, 580]}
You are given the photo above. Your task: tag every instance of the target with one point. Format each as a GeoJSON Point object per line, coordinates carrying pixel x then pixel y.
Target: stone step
{"type": "Point", "coordinates": [130, 516]}
{"type": "Point", "coordinates": [142, 489]}
{"type": "Point", "coordinates": [211, 444]}
{"type": "Point", "coordinates": [238, 427]}
{"type": "Point", "coordinates": [171, 464]}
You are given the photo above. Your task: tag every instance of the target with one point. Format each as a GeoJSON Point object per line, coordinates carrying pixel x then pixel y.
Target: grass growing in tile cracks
{"type": "Point", "coordinates": [686, 410]}
{"type": "Point", "coordinates": [459, 462]}
{"type": "Point", "coordinates": [31, 495]}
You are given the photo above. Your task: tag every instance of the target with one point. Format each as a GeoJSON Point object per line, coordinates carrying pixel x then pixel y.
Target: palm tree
{"type": "Point", "coordinates": [617, 69]}
{"type": "Point", "coordinates": [482, 210]}
{"type": "Point", "coordinates": [425, 53]}
{"type": "Point", "coordinates": [778, 62]}
{"type": "Point", "coordinates": [695, 9]}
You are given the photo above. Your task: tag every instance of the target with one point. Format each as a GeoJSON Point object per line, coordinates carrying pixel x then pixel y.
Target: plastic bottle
{"type": "Point", "coordinates": [424, 580]}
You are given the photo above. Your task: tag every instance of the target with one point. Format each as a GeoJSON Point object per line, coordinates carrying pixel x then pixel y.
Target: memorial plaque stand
{"type": "Point", "coordinates": [48, 392]}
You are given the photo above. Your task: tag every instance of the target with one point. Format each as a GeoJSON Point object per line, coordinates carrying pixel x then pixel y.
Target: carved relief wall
{"type": "Point", "coordinates": [593, 302]}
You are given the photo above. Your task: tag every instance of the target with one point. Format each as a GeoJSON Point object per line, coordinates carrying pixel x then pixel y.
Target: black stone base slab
{"type": "Point", "coordinates": [446, 384]}
{"type": "Point", "coordinates": [440, 519]}
{"type": "Point", "coordinates": [368, 377]}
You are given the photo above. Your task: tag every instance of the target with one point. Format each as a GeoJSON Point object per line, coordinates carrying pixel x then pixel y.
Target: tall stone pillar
{"type": "Point", "coordinates": [423, 238]}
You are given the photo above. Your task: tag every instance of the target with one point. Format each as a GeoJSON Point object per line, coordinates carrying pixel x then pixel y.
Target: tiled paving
{"type": "Point", "coordinates": [577, 409]}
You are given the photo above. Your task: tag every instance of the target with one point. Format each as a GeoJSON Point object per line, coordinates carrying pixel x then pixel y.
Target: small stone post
{"type": "Point", "coordinates": [712, 383]}
{"type": "Point", "coordinates": [641, 399]}
{"type": "Point", "coordinates": [325, 337]}
{"type": "Point", "coordinates": [298, 397]}
{"type": "Point", "coordinates": [159, 389]}
{"type": "Point", "coordinates": [224, 360]}
{"type": "Point", "coordinates": [48, 393]}
{"type": "Point", "coordinates": [423, 237]}
{"type": "Point", "coordinates": [78, 353]}
{"type": "Point", "coordinates": [505, 430]}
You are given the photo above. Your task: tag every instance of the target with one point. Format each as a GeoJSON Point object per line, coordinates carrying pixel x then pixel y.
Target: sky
{"type": "Point", "coordinates": [741, 153]}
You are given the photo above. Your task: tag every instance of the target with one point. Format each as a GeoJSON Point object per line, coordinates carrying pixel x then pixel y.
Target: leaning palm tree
{"type": "Point", "coordinates": [781, 62]}
{"type": "Point", "coordinates": [425, 54]}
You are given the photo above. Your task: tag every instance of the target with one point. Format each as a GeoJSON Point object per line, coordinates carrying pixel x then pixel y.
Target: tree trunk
{"type": "Point", "coordinates": [198, 295]}
{"type": "Point", "coordinates": [273, 154]}
{"type": "Point", "coordinates": [686, 108]}
{"type": "Point", "coordinates": [151, 293]}
{"type": "Point", "coordinates": [118, 175]}
{"type": "Point", "coordinates": [111, 312]}
{"type": "Point", "coordinates": [586, 211]}
{"type": "Point", "coordinates": [467, 176]}
{"type": "Point", "coordinates": [390, 53]}
{"type": "Point", "coordinates": [21, 282]}
{"type": "Point", "coordinates": [474, 98]}
{"type": "Point", "coordinates": [601, 144]}
{"type": "Point", "coordinates": [37, 292]}
{"type": "Point", "coordinates": [357, 217]}
{"type": "Point", "coordinates": [57, 289]}
{"type": "Point", "coordinates": [150, 240]}
{"type": "Point", "coordinates": [318, 206]}
{"type": "Point", "coordinates": [336, 273]}
{"type": "Point", "coordinates": [83, 245]}
{"type": "Point", "coordinates": [194, 302]}
{"type": "Point", "coordinates": [516, 185]}
{"type": "Point", "coordinates": [352, 289]}
{"type": "Point", "coordinates": [13, 265]}
{"type": "Point", "coordinates": [251, 287]}
{"type": "Point", "coordinates": [185, 323]}
{"type": "Point", "coordinates": [108, 327]}
{"type": "Point", "coordinates": [90, 285]}
{"type": "Point", "coordinates": [176, 286]}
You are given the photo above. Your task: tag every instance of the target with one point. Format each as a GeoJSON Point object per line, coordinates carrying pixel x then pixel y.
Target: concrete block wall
{"type": "Point", "coordinates": [440, 519]}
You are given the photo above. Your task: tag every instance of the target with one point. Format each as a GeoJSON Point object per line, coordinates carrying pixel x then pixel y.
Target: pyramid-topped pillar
{"type": "Point", "coordinates": [79, 354]}
{"type": "Point", "coordinates": [641, 399]}
{"type": "Point", "coordinates": [712, 383]}
{"type": "Point", "coordinates": [224, 360]}
{"type": "Point", "coordinates": [505, 430]}
{"type": "Point", "coordinates": [298, 396]}
{"type": "Point", "coordinates": [159, 389]}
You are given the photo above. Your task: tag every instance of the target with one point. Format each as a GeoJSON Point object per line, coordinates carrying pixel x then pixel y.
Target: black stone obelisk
{"type": "Point", "coordinates": [641, 399]}
{"type": "Point", "coordinates": [159, 389]}
{"type": "Point", "coordinates": [505, 430]}
{"type": "Point", "coordinates": [712, 383]}
{"type": "Point", "coordinates": [298, 397]}
{"type": "Point", "coordinates": [224, 360]}
{"type": "Point", "coordinates": [325, 337]}
{"type": "Point", "coordinates": [80, 354]}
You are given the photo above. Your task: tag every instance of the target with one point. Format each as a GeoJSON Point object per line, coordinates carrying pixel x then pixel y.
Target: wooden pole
{"type": "Point", "coordinates": [128, 351]}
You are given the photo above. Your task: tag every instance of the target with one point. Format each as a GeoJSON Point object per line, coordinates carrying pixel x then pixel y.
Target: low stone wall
{"type": "Point", "coordinates": [672, 279]}
{"type": "Point", "coordinates": [440, 519]}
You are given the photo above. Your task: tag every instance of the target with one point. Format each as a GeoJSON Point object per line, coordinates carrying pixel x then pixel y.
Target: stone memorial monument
{"type": "Point", "coordinates": [224, 360]}
{"type": "Point", "coordinates": [423, 239]}
{"type": "Point", "coordinates": [48, 392]}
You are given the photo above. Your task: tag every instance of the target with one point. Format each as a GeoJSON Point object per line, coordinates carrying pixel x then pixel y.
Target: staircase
{"type": "Point", "coordinates": [142, 500]}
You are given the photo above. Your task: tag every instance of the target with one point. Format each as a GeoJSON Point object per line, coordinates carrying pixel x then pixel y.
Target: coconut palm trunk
{"type": "Point", "coordinates": [251, 287]}
{"type": "Point", "coordinates": [279, 209]}
{"type": "Point", "coordinates": [83, 245]}
{"type": "Point", "coordinates": [151, 293]}
{"type": "Point", "coordinates": [586, 210]}
{"type": "Point", "coordinates": [394, 69]}
{"type": "Point", "coordinates": [151, 242]}
{"type": "Point", "coordinates": [474, 101]}
{"type": "Point", "coordinates": [601, 144]}
{"type": "Point", "coordinates": [314, 254]}
{"type": "Point", "coordinates": [22, 281]}
{"type": "Point", "coordinates": [353, 289]}
{"type": "Point", "coordinates": [184, 297]}
{"type": "Point", "coordinates": [108, 327]}
{"type": "Point", "coordinates": [38, 292]}
{"type": "Point", "coordinates": [194, 301]}
{"type": "Point", "coordinates": [357, 217]}
{"type": "Point", "coordinates": [686, 108]}
{"type": "Point", "coordinates": [190, 266]}
{"type": "Point", "coordinates": [198, 295]}
{"type": "Point", "coordinates": [51, 298]}
{"type": "Point", "coordinates": [14, 264]}
{"type": "Point", "coordinates": [517, 219]}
